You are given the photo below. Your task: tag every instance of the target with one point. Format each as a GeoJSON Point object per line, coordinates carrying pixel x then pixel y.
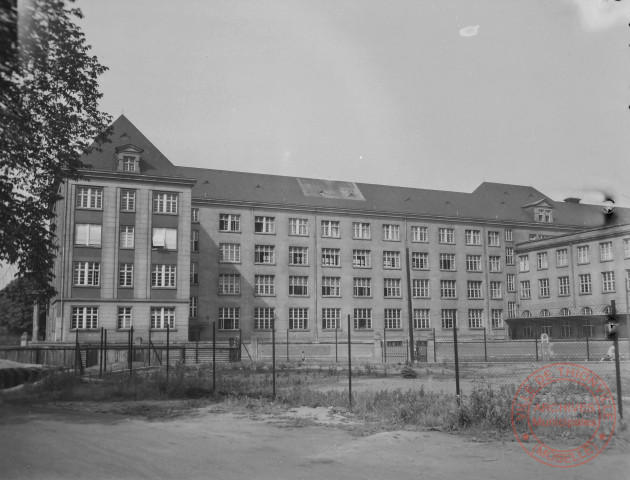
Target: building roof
{"type": "Point", "coordinates": [488, 202]}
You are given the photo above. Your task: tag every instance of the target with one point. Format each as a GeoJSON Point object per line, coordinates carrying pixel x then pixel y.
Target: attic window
{"type": "Point", "coordinates": [128, 158]}
{"type": "Point", "coordinates": [543, 215]}
{"type": "Point", "coordinates": [129, 163]}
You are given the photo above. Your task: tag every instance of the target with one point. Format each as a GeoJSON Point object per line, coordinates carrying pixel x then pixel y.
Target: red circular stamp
{"type": "Point", "coordinates": [563, 415]}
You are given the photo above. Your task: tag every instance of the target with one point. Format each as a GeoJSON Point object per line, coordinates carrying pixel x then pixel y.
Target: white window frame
{"type": "Point", "coordinates": [125, 275]}
{"type": "Point", "coordinates": [124, 319]}
{"type": "Point", "coordinates": [475, 318]}
{"type": "Point", "coordinates": [446, 235]}
{"type": "Point", "coordinates": [543, 288]}
{"type": "Point", "coordinates": [229, 253]}
{"type": "Point", "coordinates": [194, 215]}
{"type": "Point", "coordinates": [362, 258]}
{"type": "Point", "coordinates": [90, 198]}
{"type": "Point", "coordinates": [509, 255]}
{"type": "Point", "coordinates": [391, 260]}
{"type": "Point", "coordinates": [127, 200]}
{"type": "Point", "coordinates": [229, 318]}
{"type": "Point", "coordinates": [542, 261]}
{"type": "Point", "coordinates": [165, 202]}
{"type": "Point", "coordinates": [229, 284]}
{"type": "Point", "coordinates": [496, 317]}
{"type": "Point", "coordinates": [392, 318]}
{"type": "Point", "coordinates": [229, 222]}
{"type": "Point", "coordinates": [331, 228]}
{"type": "Point", "coordinates": [494, 239]}
{"type": "Point", "coordinates": [447, 262]}
{"type": "Point", "coordinates": [474, 288]}
{"type": "Point", "coordinates": [362, 318]}
{"type": "Point", "coordinates": [523, 263]}
{"type": "Point", "coordinates": [421, 319]}
{"type": "Point", "coordinates": [331, 257]}
{"type": "Point", "coordinates": [298, 285]}
{"type": "Point", "coordinates": [264, 225]}
{"type": "Point", "coordinates": [194, 241]}
{"type": "Point", "coordinates": [86, 274]}
{"type": "Point", "coordinates": [448, 289]}
{"type": "Point", "coordinates": [87, 234]}
{"type": "Point", "coordinates": [163, 276]}
{"type": "Point", "coordinates": [361, 231]}
{"type": "Point", "coordinates": [298, 318]}
{"type": "Point", "coordinates": [265, 254]}
{"type": "Point", "coordinates": [564, 287]}
{"type": "Point", "coordinates": [392, 288]}
{"type": "Point", "coordinates": [84, 318]}
{"type": "Point", "coordinates": [331, 318]}
{"type": "Point", "coordinates": [298, 226]}
{"type": "Point", "coordinates": [473, 263]}
{"type": "Point", "coordinates": [494, 262]}
{"type": "Point", "coordinates": [127, 236]}
{"type": "Point", "coordinates": [510, 281]}
{"type": "Point", "coordinates": [391, 232]}
{"type": "Point", "coordinates": [509, 235]}
{"type": "Point", "coordinates": [606, 251]}
{"type": "Point", "coordinates": [193, 307]}
{"type": "Point", "coordinates": [449, 318]}
{"type": "Point", "coordinates": [526, 289]}
{"type": "Point", "coordinates": [562, 257]}
{"type": "Point", "coordinates": [472, 237]}
{"type": "Point", "coordinates": [362, 287]}
{"type": "Point", "coordinates": [264, 285]}
{"type": "Point", "coordinates": [608, 282]}
{"type": "Point", "coordinates": [165, 238]}
{"type": "Point", "coordinates": [496, 290]}
{"type": "Point", "coordinates": [264, 317]}
{"type": "Point", "coordinates": [194, 273]}
{"type": "Point", "coordinates": [419, 234]}
{"type": "Point", "coordinates": [420, 288]}
{"type": "Point", "coordinates": [161, 317]}
{"type": "Point", "coordinates": [586, 284]}
{"type": "Point", "coordinates": [583, 254]}
{"type": "Point", "coordinates": [331, 286]}
{"type": "Point", "coordinates": [298, 256]}
{"type": "Point", "coordinates": [419, 260]}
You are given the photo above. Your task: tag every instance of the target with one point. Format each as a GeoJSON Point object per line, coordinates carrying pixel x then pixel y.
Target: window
{"type": "Point", "coordinates": [331, 318]}
{"type": "Point", "coordinates": [509, 255]}
{"type": "Point", "coordinates": [298, 286]}
{"type": "Point", "coordinates": [607, 310]}
{"type": "Point", "coordinates": [546, 329]}
{"type": "Point", "coordinates": [605, 251]}
{"type": "Point", "coordinates": [265, 254]}
{"type": "Point", "coordinates": [362, 287]}
{"type": "Point", "coordinates": [419, 234]}
{"type": "Point", "coordinates": [587, 311]}
{"type": "Point", "coordinates": [194, 275]}
{"type": "Point", "coordinates": [473, 237]}
{"type": "Point", "coordinates": [475, 318]}
{"type": "Point", "coordinates": [127, 236]}
{"type": "Point", "coordinates": [496, 291]}
{"type": "Point", "coordinates": [298, 226]}
{"type": "Point", "coordinates": [361, 259]}
{"type": "Point", "coordinates": [421, 319]}
{"type": "Point", "coordinates": [585, 284]}
{"type": "Point", "coordinates": [127, 200]}
{"type": "Point", "coordinates": [583, 254]}
{"type": "Point", "coordinates": [161, 317]}
{"type": "Point", "coordinates": [474, 289]}
{"type": "Point", "coordinates": [87, 234]}
{"type": "Point", "coordinates": [608, 282]}
{"type": "Point", "coordinates": [588, 330]}
{"type": "Point", "coordinates": [331, 257]}
{"type": "Point", "coordinates": [511, 309]}
{"type": "Point", "coordinates": [566, 330]}
{"type": "Point", "coordinates": [264, 225]}
{"type": "Point", "coordinates": [263, 318]}
{"type": "Point", "coordinates": [511, 282]}
{"type": "Point", "coordinates": [563, 286]}
{"type": "Point", "coordinates": [542, 261]}
{"type": "Point", "coordinates": [229, 318]}
{"type": "Point", "coordinates": [298, 255]}
{"type": "Point", "coordinates": [124, 318]}
{"type": "Point", "coordinates": [229, 222]}
{"type": "Point", "coordinates": [447, 289]}
{"type": "Point", "coordinates": [447, 261]}
{"type": "Point", "coordinates": [526, 289]}
{"type": "Point", "coordinates": [392, 318]}
{"type": "Point", "coordinates": [532, 236]}
{"type": "Point", "coordinates": [494, 239]}
{"type": "Point", "coordinates": [362, 318]}
{"type": "Point", "coordinates": [165, 238]}
{"type": "Point", "coordinates": [495, 263]}
{"type": "Point", "coordinates": [87, 274]}
{"type": "Point", "coordinates": [545, 313]}
{"type": "Point", "coordinates": [509, 237]}
{"type": "Point", "coordinates": [626, 247]}
{"type": "Point", "coordinates": [391, 288]}
{"type": "Point", "coordinates": [420, 260]}
{"type": "Point", "coordinates": [164, 203]}
{"type": "Point", "coordinates": [330, 228]}
{"type": "Point", "coordinates": [125, 275]}
{"type": "Point", "coordinates": [420, 288]}
{"type": "Point", "coordinates": [229, 284]}
{"type": "Point", "coordinates": [361, 231]}
{"type": "Point", "coordinates": [449, 317]}
{"type": "Point", "coordinates": [391, 232]}
{"type": "Point", "coordinates": [523, 263]}
{"type": "Point", "coordinates": [543, 287]}
{"type": "Point", "coordinates": [163, 276]}
{"type": "Point", "coordinates": [84, 318]}
{"type": "Point", "coordinates": [391, 259]}
{"type": "Point", "coordinates": [565, 312]}
{"type": "Point", "coordinates": [526, 314]}
{"type": "Point", "coordinates": [543, 215]}
{"type": "Point", "coordinates": [229, 252]}
{"type": "Point", "coordinates": [473, 263]}
{"type": "Point", "coordinates": [497, 318]}
{"type": "Point", "coordinates": [527, 331]}
{"type": "Point", "coordinates": [194, 241]}
{"type": "Point", "coordinates": [331, 286]}
{"type": "Point", "coordinates": [298, 318]}
{"type": "Point", "coordinates": [562, 258]}
{"type": "Point", "coordinates": [192, 307]}
{"type": "Point", "coordinates": [89, 197]}
{"type": "Point", "coordinates": [194, 215]}
{"type": "Point", "coordinates": [129, 164]}
{"type": "Point", "coordinates": [264, 285]}
{"type": "Point", "coordinates": [446, 235]}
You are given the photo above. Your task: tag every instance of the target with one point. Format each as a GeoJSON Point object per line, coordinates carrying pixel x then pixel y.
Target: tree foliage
{"type": "Point", "coordinates": [16, 310]}
{"type": "Point", "coordinates": [49, 116]}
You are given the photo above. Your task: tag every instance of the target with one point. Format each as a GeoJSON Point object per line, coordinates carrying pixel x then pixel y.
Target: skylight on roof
{"type": "Point", "coordinates": [330, 189]}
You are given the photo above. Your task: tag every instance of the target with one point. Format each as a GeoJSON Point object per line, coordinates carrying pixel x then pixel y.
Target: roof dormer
{"type": "Point", "coordinates": [128, 158]}
{"type": "Point", "coordinates": [542, 210]}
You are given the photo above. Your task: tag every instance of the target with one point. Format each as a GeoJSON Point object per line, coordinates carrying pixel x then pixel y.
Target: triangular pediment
{"type": "Point", "coordinates": [129, 148]}
{"type": "Point", "coordinates": [543, 202]}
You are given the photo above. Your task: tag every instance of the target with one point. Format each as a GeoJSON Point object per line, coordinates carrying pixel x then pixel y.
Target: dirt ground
{"type": "Point", "coordinates": [100, 441]}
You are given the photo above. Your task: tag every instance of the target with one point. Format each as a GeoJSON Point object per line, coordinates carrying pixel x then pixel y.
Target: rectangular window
{"type": "Point", "coordinates": [542, 262]}
{"type": "Point", "coordinates": [298, 318]}
{"type": "Point", "coordinates": [331, 286]}
{"type": "Point", "coordinates": [608, 282]}
{"type": "Point", "coordinates": [164, 203]}
{"type": "Point", "coordinates": [125, 275]}
{"type": "Point", "coordinates": [330, 228]}
{"type": "Point", "coordinates": [391, 232]}
{"type": "Point", "coordinates": [331, 257]}
{"type": "Point", "coordinates": [163, 276]}
{"type": "Point", "coordinates": [449, 317]}
{"type": "Point", "coordinates": [475, 318]}
{"type": "Point", "coordinates": [263, 318]}
{"type": "Point", "coordinates": [563, 286]}
{"type": "Point", "coordinates": [494, 239]}
{"type": "Point", "coordinates": [495, 263]}
{"type": "Point", "coordinates": [229, 253]}
{"type": "Point", "coordinates": [362, 287]}
{"type": "Point", "coordinates": [626, 247]}
{"type": "Point", "coordinates": [87, 274]}
{"type": "Point", "coordinates": [362, 318]}
{"type": "Point", "coordinates": [473, 237]}
{"type": "Point", "coordinates": [331, 318]}
{"type": "Point", "coordinates": [124, 318]}
{"type": "Point", "coordinates": [265, 254]}
{"type": "Point", "coordinates": [84, 318]}
{"type": "Point", "coordinates": [161, 317]}
{"type": "Point", "coordinates": [391, 288]}
{"type": "Point", "coordinates": [264, 285]}
{"type": "Point", "coordinates": [127, 200]}
{"type": "Point", "coordinates": [447, 289]}
{"type": "Point", "coordinates": [129, 164]}
{"type": "Point", "coordinates": [543, 287]}
{"type": "Point", "coordinates": [165, 238]}
{"type": "Point", "coordinates": [421, 319]}
{"type": "Point", "coordinates": [496, 290]}
{"type": "Point", "coordinates": [298, 286]}
{"type": "Point", "coordinates": [497, 318]}
{"type": "Point", "coordinates": [419, 234]}
{"type": "Point", "coordinates": [127, 236]}
{"type": "Point", "coordinates": [511, 309]}
{"type": "Point", "coordinates": [562, 257]}
{"type": "Point", "coordinates": [509, 237]}
{"type": "Point", "coordinates": [229, 284]}
{"type": "Point", "coordinates": [511, 282]}
{"type": "Point", "coordinates": [546, 329]}
{"type": "Point", "coordinates": [298, 255]}
{"type": "Point", "coordinates": [566, 330]}
{"type": "Point", "coordinates": [229, 318]}
{"type": "Point", "coordinates": [473, 263]}
{"type": "Point", "coordinates": [420, 260]}
{"type": "Point", "coordinates": [509, 255]}
{"type": "Point", "coordinates": [361, 231]}
{"type": "Point", "coordinates": [583, 256]}
{"type": "Point", "coordinates": [229, 222]}
{"type": "Point", "coordinates": [265, 225]}
{"type": "Point", "coordinates": [474, 289]}
{"type": "Point", "coordinates": [392, 318]}
{"type": "Point", "coordinates": [194, 215]}
{"type": "Point", "coordinates": [361, 259]}
{"type": "Point", "coordinates": [446, 235]}
{"type": "Point", "coordinates": [447, 261]}
{"type": "Point", "coordinates": [526, 291]}
{"type": "Point", "coordinates": [298, 226]}
{"type": "Point", "coordinates": [543, 215]}
{"type": "Point", "coordinates": [194, 241]}
{"type": "Point", "coordinates": [192, 307]}
{"type": "Point", "coordinates": [391, 259]}
{"type": "Point", "coordinates": [420, 288]}
{"type": "Point", "coordinates": [87, 234]}
{"type": "Point", "coordinates": [585, 284]}
{"type": "Point", "coordinates": [605, 251]}
{"type": "Point", "coordinates": [89, 197]}
{"type": "Point", "coordinates": [194, 273]}
{"type": "Point", "coordinates": [523, 263]}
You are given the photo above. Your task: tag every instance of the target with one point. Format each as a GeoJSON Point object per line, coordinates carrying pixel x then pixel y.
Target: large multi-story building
{"type": "Point", "coordinates": [146, 243]}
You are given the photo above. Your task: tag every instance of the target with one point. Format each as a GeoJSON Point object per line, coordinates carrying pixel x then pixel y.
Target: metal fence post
{"type": "Point", "coordinates": [336, 356]}
{"type": "Point", "coordinates": [287, 344]}
{"type": "Point", "coordinates": [455, 352]}
{"type": "Point", "coordinates": [536, 346]}
{"type": "Point", "coordinates": [100, 369]}
{"type": "Point", "coordinates": [349, 365]}
{"type": "Point", "coordinates": [105, 352]}
{"type": "Point", "coordinates": [385, 343]}
{"type": "Point", "coordinates": [434, 347]}
{"type": "Point", "coordinates": [485, 345]}
{"type": "Point", "coordinates": [273, 356]}
{"type": "Point", "coordinates": [130, 354]}
{"type": "Point", "coordinates": [617, 368]}
{"type": "Point", "coordinates": [150, 345]}
{"type": "Point", "coordinates": [168, 335]}
{"type": "Point", "coordinates": [588, 353]}
{"type": "Point", "coordinates": [214, 357]}
{"type": "Point", "coordinates": [197, 348]}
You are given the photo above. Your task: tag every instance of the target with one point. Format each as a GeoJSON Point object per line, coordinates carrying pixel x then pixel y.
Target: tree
{"type": "Point", "coordinates": [16, 312]}
{"type": "Point", "coordinates": [49, 116]}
